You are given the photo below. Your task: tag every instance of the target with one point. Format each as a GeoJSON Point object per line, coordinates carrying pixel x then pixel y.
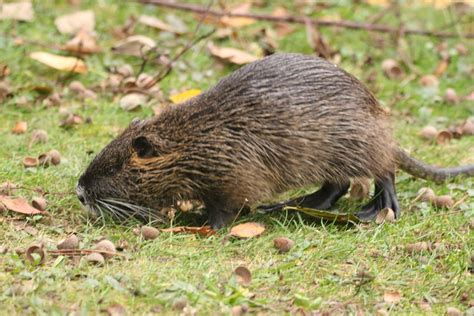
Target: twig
{"type": "Point", "coordinates": [169, 66]}
{"type": "Point", "coordinates": [301, 20]}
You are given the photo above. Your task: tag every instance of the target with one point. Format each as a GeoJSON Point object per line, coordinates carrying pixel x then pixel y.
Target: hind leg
{"type": "Point", "coordinates": [384, 196]}
{"type": "Point", "coordinates": [323, 199]}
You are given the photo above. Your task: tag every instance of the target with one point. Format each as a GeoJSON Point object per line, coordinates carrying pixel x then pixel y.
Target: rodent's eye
{"type": "Point", "coordinates": [111, 170]}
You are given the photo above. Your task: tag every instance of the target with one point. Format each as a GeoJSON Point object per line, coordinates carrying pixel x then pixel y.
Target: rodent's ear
{"type": "Point", "coordinates": [142, 147]}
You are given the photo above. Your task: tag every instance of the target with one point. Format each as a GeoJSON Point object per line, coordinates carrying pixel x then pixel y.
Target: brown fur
{"type": "Point", "coordinates": [281, 123]}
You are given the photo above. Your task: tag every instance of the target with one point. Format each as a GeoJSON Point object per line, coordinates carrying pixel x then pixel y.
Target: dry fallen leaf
{"type": "Point", "coordinates": [136, 45]}
{"type": "Point", "coordinates": [392, 297]}
{"type": "Point", "coordinates": [82, 43]}
{"type": "Point", "coordinates": [184, 96]}
{"type": "Point", "coordinates": [203, 230]}
{"type": "Point", "coordinates": [58, 62]}
{"type": "Point", "coordinates": [20, 128]}
{"type": "Point", "coordinates": [238, 22]}
{"type": "Point", "coordinates": [283, 244]}
{"type": "Point", "coordinates": [133, 101]}
{"type": "Point", "coordinates": [282, 29]}
{"type": "Point", "coordinates": [247, 230]}
{"type": "Point", "coordinates": [442, 67]}
{"type": "Point", "coordinates": [232, 55]}
{"type": "Point", "coordinates": [19, 205]}
{"type": "Point", "coordinates": [243, 276]}
{"type": "Point", "coordinates": [75, 22]}
{"type": "Point", "coordinates": [20, 11]}
{"type": "Point", "coordinates": [156, 23]}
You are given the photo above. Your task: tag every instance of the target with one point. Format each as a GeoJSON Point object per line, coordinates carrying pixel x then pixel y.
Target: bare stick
{"type": "Point", "coordinates": [301, 20]}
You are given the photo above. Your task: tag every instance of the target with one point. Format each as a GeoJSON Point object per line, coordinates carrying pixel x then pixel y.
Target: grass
{"type": "Point", "coordinates": [323, 270]}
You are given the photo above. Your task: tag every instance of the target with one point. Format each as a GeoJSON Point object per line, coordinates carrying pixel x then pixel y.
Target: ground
{"type": "Point", "coordinates": [332, 268]}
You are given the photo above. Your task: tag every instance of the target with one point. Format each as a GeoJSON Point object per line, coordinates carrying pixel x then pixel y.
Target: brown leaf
{"type": "Point", "coordinates": [392, 297]}
{"type": "Point", "coordinates": [20, 128]}
{"type": "Point", "coordinates": [238, 22]}
{"type": "Point", "coordinates": [247, 230]}
{"type": "Point", "coordinates": [136, 45]}
{"type": "Point", "coordinates": [19, 205]}
{"type": "Point", "coordinates": [75, 22]}
{"type": "Point", "coordinates": [203, 230]}
{"type": "Point", "coordinates": [37, 250]}
{"type": "Point", "coordinates": [71, 64]}
{"type": "Point", "coordinates": [20, 11]}
{"type": "Point", "coordinates": [156, 23]}
{"type": "Point", "coordinates": [243, 276]}
{"type": "Point", "coordinates": [231, 55]}
{"type": "Point", "coordinates": [442, 67]}
{"type": "Point", "coordinates": [282, 29]}
{"type": "Point", "coordinates": [82, 43]}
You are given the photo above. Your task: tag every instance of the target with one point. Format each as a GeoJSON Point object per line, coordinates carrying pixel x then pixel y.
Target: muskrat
{"type": "Point", "coordinates": [283, 122]}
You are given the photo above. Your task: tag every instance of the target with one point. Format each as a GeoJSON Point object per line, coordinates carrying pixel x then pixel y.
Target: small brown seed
{"type": "Point", "coordinates": [149, 233]}
{"type": "Point", "coordinates": [443, 201]}
{"type": "Point", "coordinates": [467, 127]}
{"type": "Point", "coordinates": [180, 303]}
{"type": "Point", "coordinates": [417, 247]}
{"type": "Point", "coordinates": [39, 136]}
{"type": "Point", "coordinates": [392, 69]}
{"type": "Point", "coordinates": [243, 276]}
{"type": "Point", "coordinates": [283, 244]}
{"type": "Point", "coordinates": [450, 96]}
{"type": "Point", "coordinates": [39, 203]}
{"type": "Point", "coordinates": [29, 162]}
{"type": "Point", "coordinates": [453, 311]}
{"type": "Point", "coordinates": [71, 242]}
{"type": "Point", "coordinates": [429, 132]}
{"type": "Point", "coordinates": [52, 157]}
{"type": "Point", "coordinates": [426, 194]}
{"type": "Point", "coordinates": [385, 215]}
{"type": "Point", "coordinates": [77, 86]}
{"type": "Point", "coordinates": [95, 258]}
{"type": "Point", "coordinates": [444, 137]}
{"type": "Point", "coordinates": [107, 246]}
{"type": "Point", "coordinates": [429, 81]}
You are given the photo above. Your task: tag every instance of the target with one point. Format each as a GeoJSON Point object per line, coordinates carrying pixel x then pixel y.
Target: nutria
{"type": "Point", "coordinates": [283, 122]}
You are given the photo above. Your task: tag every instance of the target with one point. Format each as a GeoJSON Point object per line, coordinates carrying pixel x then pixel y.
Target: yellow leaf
{"type": "Point", "coordinates": [58, 62]}
{"type": "Point", "coordinates": [232, 55]}
{"type": "Point", "coordinates": [184, 96]}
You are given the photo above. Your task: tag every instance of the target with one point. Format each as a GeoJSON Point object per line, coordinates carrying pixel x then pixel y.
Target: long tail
{"type": "Point", "coordinates": [420, 169]}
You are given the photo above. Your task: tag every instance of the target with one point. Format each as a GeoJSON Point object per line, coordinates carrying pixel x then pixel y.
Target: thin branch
{"type": "Point", "coordinates": [301, 20]}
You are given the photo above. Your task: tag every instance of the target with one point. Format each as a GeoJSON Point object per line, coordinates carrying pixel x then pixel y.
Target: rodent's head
{"type": "Point", "coordinates": [131, 176]}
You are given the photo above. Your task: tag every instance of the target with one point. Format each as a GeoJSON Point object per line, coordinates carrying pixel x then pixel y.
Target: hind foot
{"type": "Point", "coordinates": [385, 196]}
{"type": "Point", "coordinates": [323, 199]}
